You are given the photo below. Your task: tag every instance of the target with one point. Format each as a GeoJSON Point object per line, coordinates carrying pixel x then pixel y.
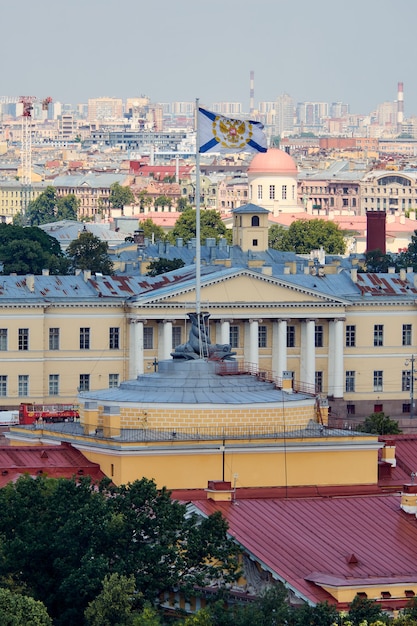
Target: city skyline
{"type": "Point", "coordinates": [183, 50]}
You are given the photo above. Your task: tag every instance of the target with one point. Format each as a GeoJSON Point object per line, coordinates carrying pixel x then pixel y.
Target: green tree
{"type": "Point", "coordinates": [161, 266]}
{"type": "Point", "coordinates": [162, 201]}
{"type": "Point", "coordinates": [67, 207]}
{"type": "Point", "coordinates": [183, 204]}
{"type": "Point", "coordinates": [144, 200]}
{"type": "Point", "coordinates": [379, 424]}
{"type": "Point", "coordinates": [304, 236]}
{"type": "Point", "coordinates": [211, 225]}
{"type": "Point", "coordinates": [90, 253]}
{"type": "Point", "coordinates": [376, 261]}
{"type": "Point", "coordinates": [42, 209]}
{"type": "Point", "coordinates": [277, 237]}
{"type": "Point", "coordinates": [20, 610]}
{"type": "Point", "coordinates": [323, 614]}
{"type": "Point", "coordinates": [61, 538]}
{"type": "Point", "coordinates": [120, 196]}
{"type": "Point", "coordinates": [113, 605]}
{"type": "Point", "coordinates": [29, 251]}
{"type": "Point", "coordinates": [148, 617]}
{"type": "Point", "coordinates": [150, 228]}
{"type": "Point", "coordinates": [362, 609]}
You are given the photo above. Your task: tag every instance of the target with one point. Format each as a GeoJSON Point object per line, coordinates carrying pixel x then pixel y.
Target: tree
{"type": "Point", "coordinates": [379, 424]}
{"type": "Point", "coordinates": [152, 231]}
{"type": "Point", "coordinates": [183, 204]}
{"type": "Point", "coordinates": [211, 225]}
{"type": "Point", "coordinates": [20, 610]}
{"type": "Point", "coordinates": [120, 196]}
{"type": "Point", "coordinates": [144, 200]}
{"type": "Point", "coordinates": [277, 237]}
{"type": "Point", "coordinates": [164, 265]}
{"type": "Point", "coordinates": [362, 609]}
{"type": "Point", "coordinates": [304, 236]}
{"type": "Point", "coordinates": [162, 201]}
{"type": "Point", "coordinates": [323, 614]}
{"type": "Point", "coordinates": [409, 257]}
{"type": "Point", "coordinates": [67, 207]}
{"type": "Point", "coordinates": [90, 253]}
{"type": "Point", "coordinates": [376, 261]}
{"type": "Point", "coordinates": [42, 209]}
{"type": "Point", "coordinates": [62, 538]}
{"type": "Point", "coordinates": [113, 605]}
{"type": "Point", "coordinates": [29, 251]}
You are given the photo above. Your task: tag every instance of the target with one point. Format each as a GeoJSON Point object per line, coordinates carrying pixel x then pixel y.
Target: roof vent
{"type": "Point", "coordinates": [44, 455]}
{"type": "Point", "coordinates": [352, 559]}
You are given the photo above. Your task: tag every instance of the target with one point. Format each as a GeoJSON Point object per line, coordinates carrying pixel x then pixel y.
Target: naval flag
{"type": "Point", "coordinates": [223, 134]}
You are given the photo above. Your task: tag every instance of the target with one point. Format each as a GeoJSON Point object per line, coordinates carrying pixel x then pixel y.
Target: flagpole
{"type": "Point", "coordinates": [197, 216]}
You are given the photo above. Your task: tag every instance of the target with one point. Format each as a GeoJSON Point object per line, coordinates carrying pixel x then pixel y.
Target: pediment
{"type": "Point", "coordinates": [245, 287]}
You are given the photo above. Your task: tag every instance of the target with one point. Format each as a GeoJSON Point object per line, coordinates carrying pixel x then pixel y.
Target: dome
{"type": "Point", "coordinates": [274, 161]}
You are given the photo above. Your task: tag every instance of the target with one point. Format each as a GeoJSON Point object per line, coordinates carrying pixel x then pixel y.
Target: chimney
{"type": "Point", "coordinates": [354, 274]}
{"type": "Point", "coordinates": [30, 282]}
{"type": "Point", "coordinates": [87, 275]}
{"type": "Point", "coordinates": [45, 272]}
{"type": "Point", "coordinates": [388, 455]}
{"type": "Point", "coordinates": [376, 231]}
{"type": "Point", "coordinates": [409, 499]}
{"type": "Point", "coordinates": [400, 106]}
{"type": "Point", "coordinates": [219, 491]}
{"type": "Point", "coordinates": [403, 274]}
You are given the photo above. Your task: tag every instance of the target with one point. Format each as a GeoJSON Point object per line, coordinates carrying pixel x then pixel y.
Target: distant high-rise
{"type": "Point", "coordinates": [400, 106]}
{"type": "Point", "coordinates": [104, 109]}
{"type": "Point", "coordinates": [284, 115]}
{"type": "Point", "coordinates": [252, 92]}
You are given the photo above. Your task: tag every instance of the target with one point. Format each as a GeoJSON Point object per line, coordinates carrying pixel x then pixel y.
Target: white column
{"type": "Point", "coordinates": [164, 340]}
{"type": "Point", "coordinates": [279, 347]}
{"type": "Point", "coordinates": [336, 358]}
{"type": "Point", "coordinates": [251, 342]}
{"type": "Point", "coordinates": [308, 353]}
{"type": "Point", "coordinates": [225, 332]}
{"type": "Point", "coordinates": [135, 349]}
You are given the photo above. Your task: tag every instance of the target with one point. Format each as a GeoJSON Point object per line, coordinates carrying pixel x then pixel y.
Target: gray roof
{"type": "Point", "coordinates": [96, 181]}
{"type": "Point", "coordinates": [250, 208]}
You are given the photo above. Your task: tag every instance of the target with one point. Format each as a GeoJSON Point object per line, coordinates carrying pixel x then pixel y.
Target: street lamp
{"type": "Point", "coordinates": [411, 362]}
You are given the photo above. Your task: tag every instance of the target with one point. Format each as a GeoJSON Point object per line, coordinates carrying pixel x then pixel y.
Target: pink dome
{"type": "Point", "coordinates": [274, 161]}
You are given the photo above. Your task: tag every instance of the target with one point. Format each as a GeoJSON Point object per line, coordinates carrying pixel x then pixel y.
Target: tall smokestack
{"type": "Point", "coordinates": [400, 106]}
{"type": "Point", "coordinates": [252, 92]}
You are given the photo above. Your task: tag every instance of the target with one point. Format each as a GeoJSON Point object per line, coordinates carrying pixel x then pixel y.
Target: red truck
{"type": "Point", "coordinates": [30, 413]}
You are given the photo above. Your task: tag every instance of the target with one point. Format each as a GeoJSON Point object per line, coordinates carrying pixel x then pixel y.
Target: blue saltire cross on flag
{"type": "Point", "coordinates": [223, 134]}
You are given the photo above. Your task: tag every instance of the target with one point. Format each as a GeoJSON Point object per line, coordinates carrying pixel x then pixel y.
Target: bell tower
{"type": "Point", "coordinates": [250, 228]}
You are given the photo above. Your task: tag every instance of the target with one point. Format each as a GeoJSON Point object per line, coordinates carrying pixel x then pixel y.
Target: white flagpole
{"type": "Point", "coordinates": [197, 217]}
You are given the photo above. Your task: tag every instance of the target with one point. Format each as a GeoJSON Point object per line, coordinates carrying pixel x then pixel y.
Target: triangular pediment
{"type": "Point", "coordinates": [242, 287]}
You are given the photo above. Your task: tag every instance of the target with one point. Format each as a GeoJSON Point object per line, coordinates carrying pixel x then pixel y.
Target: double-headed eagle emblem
{"type": "Point", "coordinates": [233, 134]}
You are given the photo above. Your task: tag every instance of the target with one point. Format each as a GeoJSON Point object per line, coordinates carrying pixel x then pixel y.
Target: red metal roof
{"type": "Point", "coordinates": [305, 541]}
{"type": "Point", "coordinates": [61, 461]}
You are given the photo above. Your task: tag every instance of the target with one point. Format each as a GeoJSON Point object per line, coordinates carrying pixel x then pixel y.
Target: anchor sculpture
{"type": "Point", "coordinates": [199, 345]}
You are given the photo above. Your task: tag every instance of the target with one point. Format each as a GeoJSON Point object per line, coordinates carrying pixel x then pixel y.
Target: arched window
{"type": "Point", "coordinates": [255, 220]}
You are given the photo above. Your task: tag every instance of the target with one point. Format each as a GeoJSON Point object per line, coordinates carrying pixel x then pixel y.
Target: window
{"type": "Point", "coordinates": [113, 380]}
{"type": "Point", "coordinates": [148, 338]}
{"type": "Point", "coordinates": [254, 242]}
{"type": "Point", "coordinates": [262, 337]}
{"type": "Point", "coordinates": [54, 338]}
{"type": "Point", "coordinates": [23, 342]}
{"type": "Point", "coordinates": [406, 334]}
{"type": "Point", "coordinates": [378, 380]}
{"type": "Point", "coordinates": [176, 336]}
{"type": "Point", "coordinates": [351, 410]}
{"type": "Point", "coordinates": [284, 192]}
{"type": "Point", "coordinates": [350, 381]}
{"type": "Point", "coordinates": [405, 380]}
{"type": "Point", "coordinates": [84, 382]}
{"type": "Point", "coordinates": [290, 336]}
{"type": "Point", "coordinates": [114, 333]}
{"type": "Point", "coordinates": [407, 408]}
{"type": "Point", "coordinates": [272, 192]}
{"type": "Point", "coordinates": [3, 339]}
{"type": "Point", "coordinates": [378, 335]}
{"type": "Point", "coordinates": [378, 408]}
{"type": "Point", "coordinates": [234, 336]}
{"type": "Point", "coordinates": [54, 384]}
{"type": "Point", "coordinates": [350, 336]}
{"type": "Point", "coordinates": [23, 385]}
{"type": "Point", "coordinates": [255, 220]}
{"type": "Point", "coordinates": [318, 336]}
{"type": "Point", "coordinates": [259, 192]}
{"type": "Point", "coordinates": [318, 380]}
{"type": "Point", "coordinates": [84, 338]}
{"type": "Point", "coordinates": [3, 385]}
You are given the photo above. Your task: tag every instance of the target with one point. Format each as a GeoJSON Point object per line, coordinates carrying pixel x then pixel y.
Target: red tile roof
{"type": "Point", "coordinates": [306, 541]}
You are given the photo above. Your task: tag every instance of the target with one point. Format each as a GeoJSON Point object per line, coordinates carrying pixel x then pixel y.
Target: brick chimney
{"type": "Point", "coordinates": [376, 231]}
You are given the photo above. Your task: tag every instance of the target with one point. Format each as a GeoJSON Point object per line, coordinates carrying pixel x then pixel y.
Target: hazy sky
{"type": "Point", "coordinates": [354, 51]}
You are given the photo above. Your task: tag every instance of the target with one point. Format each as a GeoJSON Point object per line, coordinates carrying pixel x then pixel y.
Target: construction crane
{"type": "Point", "coordinates": [26, 150]}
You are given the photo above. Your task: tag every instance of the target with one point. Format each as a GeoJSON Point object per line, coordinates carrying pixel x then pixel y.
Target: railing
{"type": "Point", "coordinates": [236, 368]}
{"type": "Point", "coordinates": [197, 434]}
